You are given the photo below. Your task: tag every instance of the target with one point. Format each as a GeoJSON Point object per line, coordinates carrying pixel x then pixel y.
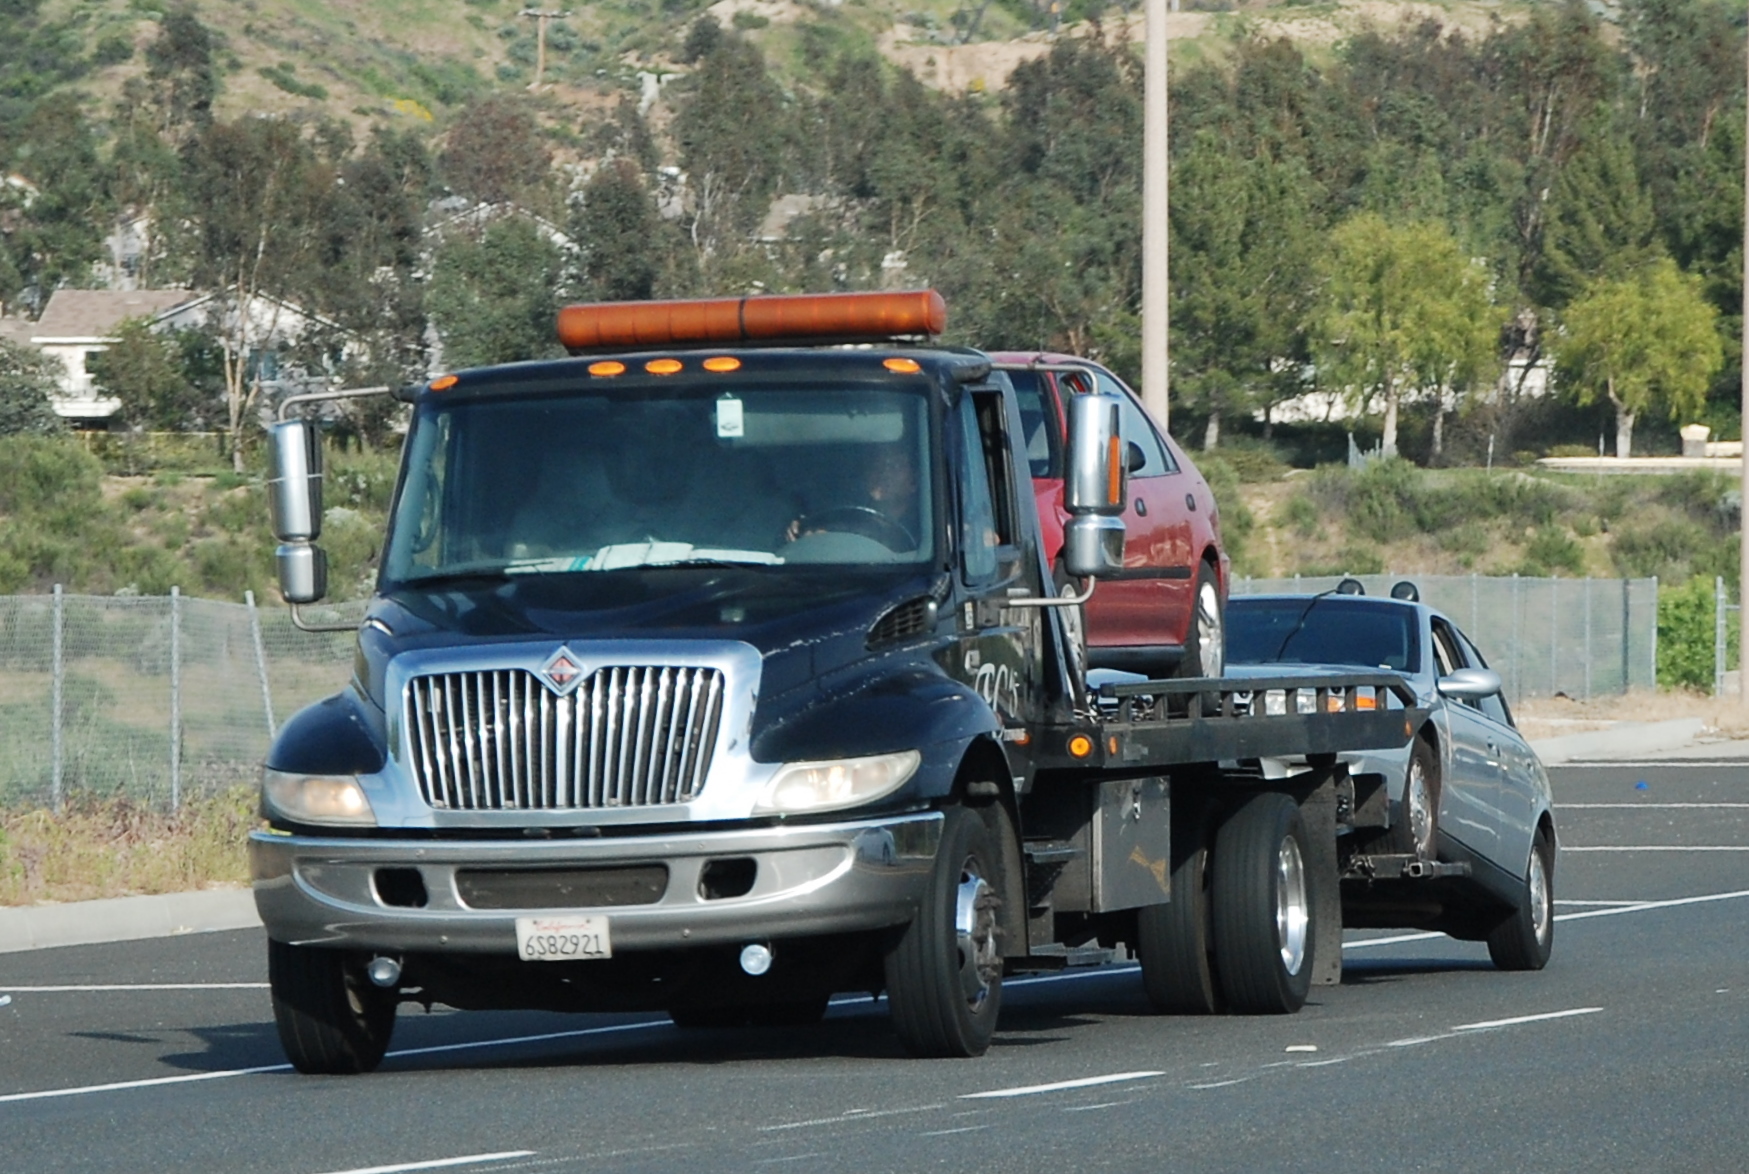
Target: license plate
{"type": "Point", "coordinates": [562, 939]}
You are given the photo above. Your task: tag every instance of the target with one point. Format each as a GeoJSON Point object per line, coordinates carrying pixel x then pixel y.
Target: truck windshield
{"type": "Point", "coordinates": [587, 480]}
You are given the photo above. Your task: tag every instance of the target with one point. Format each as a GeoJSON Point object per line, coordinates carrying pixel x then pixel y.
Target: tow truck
{"type": "Point", "coordinates": [720, 667]}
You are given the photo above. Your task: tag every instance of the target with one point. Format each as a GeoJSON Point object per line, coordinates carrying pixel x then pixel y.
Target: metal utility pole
{"type": "Point", "coordinates": [1743, 431]}
{"type": "Point", "coordinates": [1156, 286]}
{"type": "Point", "coordinates": [540, 17]}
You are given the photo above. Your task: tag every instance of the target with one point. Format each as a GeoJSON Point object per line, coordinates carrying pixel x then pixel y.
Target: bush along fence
{"type": "Point", "coordinates": [155, 698]}
{"type": "Point", "coordinates": [1577, 637]}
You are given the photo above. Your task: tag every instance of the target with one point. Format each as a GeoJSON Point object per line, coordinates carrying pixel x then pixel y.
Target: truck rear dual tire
{"type": "Point", "coordinates": [1261, 908]}
{"type": "Point", "coordinates": [944, 975]}
{"type": "Point", "coordinates": [332, 1020]}
{"type": "Point", "coordinates": [1175, 941]}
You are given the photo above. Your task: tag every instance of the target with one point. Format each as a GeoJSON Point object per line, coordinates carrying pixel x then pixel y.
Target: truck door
{"type": "Point", "coordinates": [997, 650]}
{"type": "Point", "coordinates": [1469, 801]}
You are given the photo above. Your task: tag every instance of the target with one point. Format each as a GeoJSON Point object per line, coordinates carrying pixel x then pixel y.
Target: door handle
{"type": "Point", "coordinates": [1141, 508]}
{"type": "Point", "coordinates": [1190, 502]}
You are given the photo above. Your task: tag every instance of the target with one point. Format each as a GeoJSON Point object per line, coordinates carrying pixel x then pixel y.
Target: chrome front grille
{"type": "Point", "coordinates": [500, 740]}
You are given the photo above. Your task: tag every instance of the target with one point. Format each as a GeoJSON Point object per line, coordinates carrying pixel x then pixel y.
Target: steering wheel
{"type": "Point", "coordinates": [863, 520]}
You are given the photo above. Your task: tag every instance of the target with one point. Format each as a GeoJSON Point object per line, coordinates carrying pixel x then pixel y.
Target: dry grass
{"type": "Point", "coordinates": [119, 848]}
{"type": "Point", "coordinates": [1548, 717]}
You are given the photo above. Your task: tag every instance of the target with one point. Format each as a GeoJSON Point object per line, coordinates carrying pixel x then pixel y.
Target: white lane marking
{"type": "Point", "coordinates": [1513, 1022]}
{"type": "Point", "coordinates": [1573, 901]}
{"type": "Point", "coordinates": [1645, 905]}
{"type": "Point", "coordinates": [1100, 1105]}
{"type": "Point", "coordinates": [190, 1078]}
{"type": "Point", "coordinates": [852, 1115]}
{"type": "Point", "coordinates": [140, 986]}
{"type": "Point", "coordinates": [1648, 806]}
{"type": "Point", "coordinates": [1565, 848]}
{"type": "Point", "coordinates": [1666, 763]}
{"type": "Point", "coordinates": [440, 1163]}
{"type": "Point", "coordinates": [1221, 1083]}
{"type": "Point", "coordinates": [1636, 907]}
{"type": "Point", "coordinates": [1414, 1040]}
{"type": "Point", "coordinates": [950, 1132]}
{"type": "Point", "coordinates": [1060, 1085]}
{"type": "Point", "coordinates": [1324, 1063]}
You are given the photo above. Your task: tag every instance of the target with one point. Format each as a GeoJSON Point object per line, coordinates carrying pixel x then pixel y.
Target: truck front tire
{"type": "Point", "coordinates": [944, 975]}
{"type": "Point", "coordinates": [331, 1019]}
{"type": "Point", "coordinates": [1262, 908]}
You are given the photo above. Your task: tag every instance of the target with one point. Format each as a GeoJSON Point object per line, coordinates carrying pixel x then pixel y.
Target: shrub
{"type": "Point", "coordinates": [1301, 513]}
{"type": "Point", "coordinates": [1686, 634]}
{"type": "Point", "coordinates": [1552, 550]}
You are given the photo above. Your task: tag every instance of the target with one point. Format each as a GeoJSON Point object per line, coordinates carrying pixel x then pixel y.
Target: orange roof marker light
{"type": "Point", "coordinates": [663, 366]}
{"type": "Point", "coordinates": [903, 366]}
{"type": "Point", "coordinates": [841, 317]}
{"type": "Point", "coordinates": [607, 367]}
{"type": "Point", "coordinates": [444, 382]}
{"type": "Point", "coordinates": [721, 363]}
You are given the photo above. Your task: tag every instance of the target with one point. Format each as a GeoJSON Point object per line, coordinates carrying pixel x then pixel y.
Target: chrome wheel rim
{"type": "Point", "coordinates": [1418, 804]}
{"type": "Point", "coordinates": [1210, 646]}
{"type": "Point", "coordinates": [974, 924]}
{"type": "Point", "coordinates": [1540, 920]}
{"type": "Point", "coordinates": [1292, 908]}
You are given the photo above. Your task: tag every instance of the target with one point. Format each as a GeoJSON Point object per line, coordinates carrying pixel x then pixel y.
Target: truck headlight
{"type": "Point", "coordinates": [317, 799]}
{"type": "Point", "coordinates": [842, 782]}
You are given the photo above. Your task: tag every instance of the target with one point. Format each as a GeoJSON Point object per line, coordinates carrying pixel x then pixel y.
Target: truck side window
{"type": "Point", "coordinates": [1139, 431]}
{"type": "Point", "coordinates": [1044, 448]}
{"type": "Point", "coordinates": [979, 515]}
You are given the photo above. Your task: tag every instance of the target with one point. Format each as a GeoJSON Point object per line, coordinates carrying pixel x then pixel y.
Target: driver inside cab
{"type": "Point", "coordinates": [880, 503]}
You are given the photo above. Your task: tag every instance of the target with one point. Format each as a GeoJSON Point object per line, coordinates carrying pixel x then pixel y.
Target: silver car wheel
{"type": "Point", "coordinates": [1418, 803]}
{"type": "Point", "coordinates": [1211, 645]}
{"type": "Point", "coordinates": [1292, 906]}
{"type": "Point", "coordinates": [1540, 907]}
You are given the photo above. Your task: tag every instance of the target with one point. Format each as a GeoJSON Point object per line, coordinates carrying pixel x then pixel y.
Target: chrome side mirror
{"type": "Point", "coordinates": [1470, 684]}
{"type": "Point", "coordinates": [294, 502]}
{"type": "Point", "coordinates": [294, 480]}
{"type": "Point", "coordinates": [1096, 487]}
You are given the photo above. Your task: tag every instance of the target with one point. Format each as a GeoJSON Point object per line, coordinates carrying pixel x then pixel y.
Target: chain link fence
{"type": "Point", "coordinates": [1580, 637]}
{"type": "Point", "coordinates": [151, 697]}
{"type": "Point", "coordinates": [163, 698]}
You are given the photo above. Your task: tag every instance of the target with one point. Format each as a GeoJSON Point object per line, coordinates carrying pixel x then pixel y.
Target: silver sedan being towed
{"type": "Point", "coordinates": [1471, 831]}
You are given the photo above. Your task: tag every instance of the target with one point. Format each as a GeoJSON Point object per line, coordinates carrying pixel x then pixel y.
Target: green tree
{"type": "Point", "coordinates": [495, 153]}
{"type": "Point", "coordinates": [619, 233]}
{"type": "Point", "coordinates": [181, 79]}
{"type": "Point", "coordinates": [261, 201]}
{"type": "Point", "coordinates": [733, 132]}
{"type": "Point", "coordinates": [145, 370]}
{"type": "Point", "coordinates": [27, 381]}
{"type": "Point", "coordinates": [1243, 277]}
{"type": "Point", "coordinates": [1646, 341]}
{"type": "Point", "coordinates": [1402, 310]}
{"type": "Point", "coordinates": [494, 299]}
{"type": "Point", "coordinates": [1600, 219]}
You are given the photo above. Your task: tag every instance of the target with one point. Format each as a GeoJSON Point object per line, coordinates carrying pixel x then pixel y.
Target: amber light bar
{"type": "Point", "coordinates": [842, 317]}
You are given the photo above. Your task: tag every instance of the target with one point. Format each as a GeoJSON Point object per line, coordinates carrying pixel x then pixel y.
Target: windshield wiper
{"type": "Point", "coordinates": [1299, 624]}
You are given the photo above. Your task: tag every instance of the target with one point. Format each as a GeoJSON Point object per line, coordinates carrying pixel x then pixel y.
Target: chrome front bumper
{"type": "Point", "coordinates": [811, 879]}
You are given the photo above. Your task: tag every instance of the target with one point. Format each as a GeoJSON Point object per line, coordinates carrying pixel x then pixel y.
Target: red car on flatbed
{"type": "Point", "coordinates": [1163, 615]}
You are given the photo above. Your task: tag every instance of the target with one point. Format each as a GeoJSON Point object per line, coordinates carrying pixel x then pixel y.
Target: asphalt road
{"type": "Point", "coordinates": [1630, 1052]}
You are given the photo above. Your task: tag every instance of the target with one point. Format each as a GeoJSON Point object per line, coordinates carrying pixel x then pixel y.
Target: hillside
{"type": "Point", "coordinates": [410, 62]}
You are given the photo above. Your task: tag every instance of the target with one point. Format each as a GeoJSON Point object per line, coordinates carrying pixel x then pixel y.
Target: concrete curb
{"type": "Point", "coordinates": [121, 919]}
{"type": "Point", "coordinates": [1627, 740]}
